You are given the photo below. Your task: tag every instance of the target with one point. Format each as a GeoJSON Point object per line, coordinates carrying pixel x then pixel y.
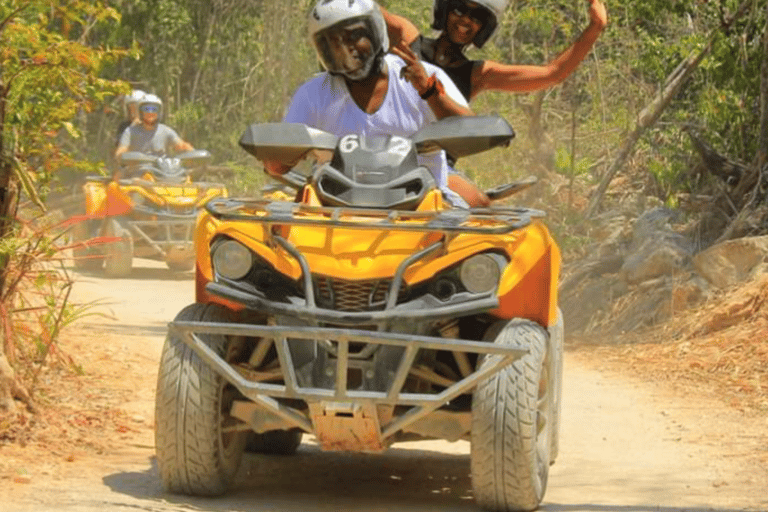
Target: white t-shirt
{"type": "Point", "coordinates": [158, 141]}
{"type": "Point", "coordinates": [324, 102]}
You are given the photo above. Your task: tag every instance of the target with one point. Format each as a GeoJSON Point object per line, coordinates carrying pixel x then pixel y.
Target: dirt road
{"type": "Point", "coordinates": [626, 445]}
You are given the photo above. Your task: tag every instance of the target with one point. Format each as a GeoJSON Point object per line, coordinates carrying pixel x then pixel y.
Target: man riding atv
{"type": "Point", "coordinates": [150, 136]}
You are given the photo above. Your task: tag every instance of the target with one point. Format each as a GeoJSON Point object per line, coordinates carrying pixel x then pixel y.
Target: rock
{"type": "Point", "coordinates": [655, 250]}
{"type": "Point", "coordinates": [655, 258]}
{"type": "Point", "coordinates": [732, 262]}
{"type": "Point", "coordinates": [689, 293]}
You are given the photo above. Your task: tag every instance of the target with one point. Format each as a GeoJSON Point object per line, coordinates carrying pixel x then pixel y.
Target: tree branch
{"type": "Point", "coordinates": [651, 113]}
{"type": "Point", "coordinates": [11, 16]}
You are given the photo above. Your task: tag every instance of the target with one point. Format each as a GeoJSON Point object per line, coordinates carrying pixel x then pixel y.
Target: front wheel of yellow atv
{"type": "Point", "coordinates": [118, 257]}
{"type": "Point", "coordinates": [84, 257]}
{"type": "Point", "coordinates": [197, 442]}
{"type": "Point", "coordinates": [511, 425]}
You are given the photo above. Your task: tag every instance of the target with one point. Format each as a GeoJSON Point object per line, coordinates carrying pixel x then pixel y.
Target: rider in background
{"type": "Point", "coordinates": [367, 91]}
{"type": "Point", "coordinates": [462, 23]}
{"type": "Point", "coordinates": [131, 112]}
{"type": "Point", "coordinates": [150, 136]}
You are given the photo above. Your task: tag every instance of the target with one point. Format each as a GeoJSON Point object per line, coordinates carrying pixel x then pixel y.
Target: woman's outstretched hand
{"type": "Point", "coordinates": [597, 13]}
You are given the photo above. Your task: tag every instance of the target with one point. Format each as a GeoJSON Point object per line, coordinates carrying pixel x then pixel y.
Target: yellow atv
{"type": "Point", "coordinates": [148, 212]}
{"type": "Point", "coordinates": [366, 313]}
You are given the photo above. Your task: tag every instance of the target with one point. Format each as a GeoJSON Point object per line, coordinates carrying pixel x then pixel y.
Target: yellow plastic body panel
{"type": "Point", "coordinates": [114, 198]}
{"type": "Point", "coordinates": [95, 198]}
{"type": "Point", "coordinates": [528, 286]}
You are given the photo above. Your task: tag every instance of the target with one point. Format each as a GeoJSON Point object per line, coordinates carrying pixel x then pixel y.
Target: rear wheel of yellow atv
{"type": "Point", "coordinates": [118, 257]}
{"type": "Point", "coordinates": [511, 425]}
{"type": "Point", "coordinates": [197, 451]}
{"type": "Point", "coordinates": [84, 258]}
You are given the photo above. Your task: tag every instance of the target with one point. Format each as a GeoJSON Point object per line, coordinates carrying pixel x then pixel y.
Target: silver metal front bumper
{"type": "Point", "coordinates": [418, 405]}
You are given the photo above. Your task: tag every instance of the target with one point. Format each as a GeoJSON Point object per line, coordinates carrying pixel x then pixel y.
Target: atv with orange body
{"type": "Point", "coordinates": [148, 212]}
{"type": "Point", "coordinates": [366, 313]}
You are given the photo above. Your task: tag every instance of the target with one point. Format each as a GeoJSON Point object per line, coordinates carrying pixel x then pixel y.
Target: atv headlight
{"type": "Point", "coordinates": [232, 260]}
{"type": "Point", "coordinates": [481, 273]}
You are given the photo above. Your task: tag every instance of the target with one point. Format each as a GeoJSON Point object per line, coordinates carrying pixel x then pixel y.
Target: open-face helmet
{"type": "Point", "coordinates": [494, 11]}
{"type": "Point", "coordinates": [334, 28]}
{"type": "Point", "coordinates": [151, 103]}
{"type": "Point", "coordinates": [132, 99]}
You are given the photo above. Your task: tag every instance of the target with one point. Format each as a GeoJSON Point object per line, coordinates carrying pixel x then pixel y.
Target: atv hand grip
{"type": "Point", "coordinates": [508, 189]}
{"type": "Point", "coordinates": [293, 179]}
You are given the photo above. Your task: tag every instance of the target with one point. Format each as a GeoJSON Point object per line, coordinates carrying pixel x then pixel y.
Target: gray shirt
{"type": "Point", "coordinates": [158, 141]}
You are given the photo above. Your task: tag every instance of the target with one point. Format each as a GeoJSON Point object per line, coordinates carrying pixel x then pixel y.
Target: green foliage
{"type": "Point", "coordinates": [50, 78]}
{"type": "Point", "coordinates": [36, 306]}
{"type": "Point", "coordinates": [564, 163]}
{"type": "Point", "coordinates": [49, 75]}
{"type": "Point", "coordinates": [220, 66]}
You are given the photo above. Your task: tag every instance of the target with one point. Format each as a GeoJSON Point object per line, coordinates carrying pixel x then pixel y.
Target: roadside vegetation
{"type": "Point", "coordinates": [671, 105]}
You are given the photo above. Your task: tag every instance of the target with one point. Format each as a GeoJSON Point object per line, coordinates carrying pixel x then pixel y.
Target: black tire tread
{"type": "Point", "coordinates": [118, 258]}
{"type": "Point", "coordinates": [503, 438]}
{"type": "Point", "coordinates": [190, 454]}
{"type": "Point", "coordinates": [84, 258]}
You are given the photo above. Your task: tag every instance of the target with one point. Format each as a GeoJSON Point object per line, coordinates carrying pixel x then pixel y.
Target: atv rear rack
{"type": "Point", "coordinates": [495, 221]}
{"type": "Point", "coordinates": [264, 394]}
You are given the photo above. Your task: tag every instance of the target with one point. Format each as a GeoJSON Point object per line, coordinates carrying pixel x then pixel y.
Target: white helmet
{"type": "Point", "coordinates": [495, 9]}
{"type": "Point", "coordinates": [131, 99]}
{"type": "Point", "coordinates": [151, 99]}
{"type": "Point", "coordinates": [135, 96]}
{"type": "Point", "coordinates": [326, 24]}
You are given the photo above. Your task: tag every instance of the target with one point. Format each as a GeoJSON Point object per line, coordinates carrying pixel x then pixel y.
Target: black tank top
{"type": "Point", "coordinates": [461, 73]}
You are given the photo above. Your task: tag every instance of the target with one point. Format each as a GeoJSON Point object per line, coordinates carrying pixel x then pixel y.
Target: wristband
{"type": "Point", "coordinates": [434, 86]}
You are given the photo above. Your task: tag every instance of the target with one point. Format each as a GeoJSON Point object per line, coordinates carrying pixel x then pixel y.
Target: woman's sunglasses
{"type": "Point", "coordinates": [151, 109]}
{"type": "Point", "coordinates": [477, 14]}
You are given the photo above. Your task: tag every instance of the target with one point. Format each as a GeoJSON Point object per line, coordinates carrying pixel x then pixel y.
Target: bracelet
{"type": "Point", "coordinates": [432, 88]}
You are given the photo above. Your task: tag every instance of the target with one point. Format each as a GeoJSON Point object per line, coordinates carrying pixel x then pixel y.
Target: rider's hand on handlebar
{"type": "Point", "coordinates": [274, 168]}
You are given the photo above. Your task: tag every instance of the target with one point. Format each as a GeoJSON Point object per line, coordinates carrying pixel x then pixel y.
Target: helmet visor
{"type": "Point", "coordinates": [348, 47]}
{"type": "Point", "coordinates": [476, 12]}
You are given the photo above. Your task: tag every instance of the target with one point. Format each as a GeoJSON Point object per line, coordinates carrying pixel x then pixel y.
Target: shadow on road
{"type": "Point", "coordinates": [159, 329]}
{"type": "Point", "coordinates": [592, 507]}
{"type": "Point", "coordinates": [311, 480]}
{"type": "Point", "coordinates": [144, 274]}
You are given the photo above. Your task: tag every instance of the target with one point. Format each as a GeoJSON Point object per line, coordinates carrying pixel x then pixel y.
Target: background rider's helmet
{"type": "Point", "coordinates": [132, 99]}
{"type": "Point", "coordinates": [325, 20]}
{"type": "Point", "coordinates": [495, 9]}
{"type": "Point", "coordinates": [151, 99]}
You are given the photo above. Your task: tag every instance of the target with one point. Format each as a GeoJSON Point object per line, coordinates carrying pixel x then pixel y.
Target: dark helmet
{"type": "Point", "coordinates": [495, 9]}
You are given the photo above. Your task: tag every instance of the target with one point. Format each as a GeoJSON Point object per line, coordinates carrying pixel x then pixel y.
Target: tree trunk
{"type": "Point", "coordinates": [7, 383]}
{"type": "Point", "coordinates": [7, 376]}
{"type": "Point", "coordinates": [9, 386]}
{"type": "Point", "coordinates": [9, 200]}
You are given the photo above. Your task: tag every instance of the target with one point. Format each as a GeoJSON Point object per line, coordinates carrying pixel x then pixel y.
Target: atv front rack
{"type": "Point", "coordinates": [323, 404]}
{"type": "Point", "coordinates": [491, 221]}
